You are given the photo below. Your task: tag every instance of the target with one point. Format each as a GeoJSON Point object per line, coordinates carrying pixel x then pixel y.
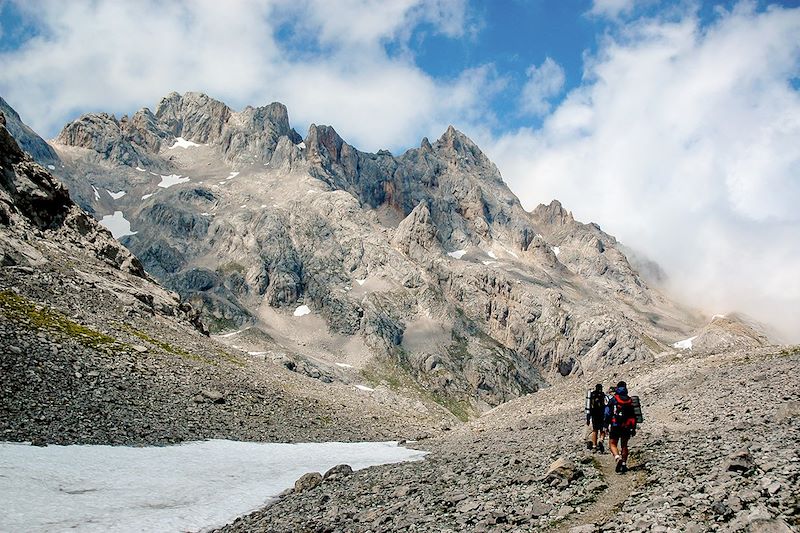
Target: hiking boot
{"type": "Point", "coordinates": [618, 468]}
{"type": "Point", "coordinates": [600, 447]}
{"type": "Point", "coordinates": [588, 445]}
{"type": "Point", "coordinates": [623, 468]}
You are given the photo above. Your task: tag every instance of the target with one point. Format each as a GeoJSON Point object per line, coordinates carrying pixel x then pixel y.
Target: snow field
{"type": "Point", "coordinates": [180, 142]}
{"type": "Point", "coordinates": [190, 487]}
{"type": "Point", "coordinates": [117, 224]}
{"type": "Point", "coordinates": [685, 344]}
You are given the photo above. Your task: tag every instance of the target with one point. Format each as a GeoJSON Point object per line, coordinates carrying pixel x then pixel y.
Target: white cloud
{"type": "Point", "coordinates": [348, 23]}
{"type": "Point", "coordinates": [683, 142]}
{"type": "Point", "coordinates": [612, 8]}
{"type": "Point", "coordinates": [119, 56]}
{"type": "Point", "coordinates": [544, 82]}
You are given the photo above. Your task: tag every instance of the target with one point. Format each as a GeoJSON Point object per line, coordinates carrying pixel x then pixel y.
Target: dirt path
{"type": "Point", "coordinates": [612, 497]}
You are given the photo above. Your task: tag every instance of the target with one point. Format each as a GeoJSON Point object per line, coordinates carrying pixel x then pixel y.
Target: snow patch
{"type": "Point", "coordinates": [96, 193]}
{"type": "Point", "coordinates": [302, 310]}
{"type": "Point", "coordinates": [458, 254]}
{"type": "Point", "coordinates": [301, 145]}
{"type": "Point", "coordinates": [491, 254]}
{"type": "Point", "coordinates": [51, 167]}
{"type": "Point", "coordinates": [172, 179]}
{"type": "Point", "coordinates": [256, 353]}
{"type": "Point", "coordinates": [685, 344]}
{"type": "Point", "coordinates": [364, 388]}
{"type": "Point", "coordinates": [556, 250]}
{"type": "Point", "coordinates": [717, 316]}
{"type": "Point", "coordinates": [117, 224]}
{"type": "Point", "coordinates": [116, 195]}
{"type": "Point", "coordinates": [146, 196]}
{"type": "Point", "coordinates": [140, 169]}
{"type": "Point", "coordinates": [232, 175]}
{"type": "Point", "coordinates": [344, 365]}
{"type": "Point", "coordinates": [189, 487]}
{"type": "Point", "coordinates": [361, 281]}
{"type": "Point", "coordinates": [180, 142]}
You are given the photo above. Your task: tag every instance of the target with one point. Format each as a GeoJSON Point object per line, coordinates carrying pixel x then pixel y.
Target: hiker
{"type": "Point", "coordinates": [612, 390]}
{"type": "Point", "coordinates": [595, 409]}
{"type": "Point", "coordinates": [620, 419]}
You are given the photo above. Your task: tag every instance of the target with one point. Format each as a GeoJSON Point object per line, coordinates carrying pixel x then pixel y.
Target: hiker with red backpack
{"type": "Point", "coordinates": [620, 419]}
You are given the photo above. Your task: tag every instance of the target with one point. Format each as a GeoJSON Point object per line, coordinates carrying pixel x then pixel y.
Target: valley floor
{"type": "Point", "coordinates": [718, 452]}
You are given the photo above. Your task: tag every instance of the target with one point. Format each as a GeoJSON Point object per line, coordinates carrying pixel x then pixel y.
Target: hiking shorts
{"type": "Point", "coordinates": [619, 433]}
{"type": "Point", "coordinates": [597, 423]}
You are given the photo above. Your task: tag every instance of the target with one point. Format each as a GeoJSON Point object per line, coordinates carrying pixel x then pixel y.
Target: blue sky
{"type": "Point", "coordinates": [675, 125]}
{"type": "Point", "coordinates": [505, 36]}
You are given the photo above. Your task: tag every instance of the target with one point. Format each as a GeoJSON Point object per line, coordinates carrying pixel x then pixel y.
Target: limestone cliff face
{"type": "Point", "coordinates": [144, 139]}
{"type": "Point", "coordinates": [36, 213]}
{"type": "Point", "coordinates": [427, 257]}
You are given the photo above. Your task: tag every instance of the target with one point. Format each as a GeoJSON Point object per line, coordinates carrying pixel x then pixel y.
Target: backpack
{"type": "Point", "coordinates": [624, 414]}
{"type": "Point", "coordinates": [637, 409]}
{"type": "Point", "coordinates": [597, 402]}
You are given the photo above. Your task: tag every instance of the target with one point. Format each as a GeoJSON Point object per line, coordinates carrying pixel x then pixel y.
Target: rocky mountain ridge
{"type": "Point", "coordinates": [95, 351]}
{"type": "Point", "coordinates": [423, 263]}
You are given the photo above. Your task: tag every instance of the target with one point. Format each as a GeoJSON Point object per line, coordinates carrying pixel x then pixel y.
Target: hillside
{"type": "Point", "coordinates": [423, 264]}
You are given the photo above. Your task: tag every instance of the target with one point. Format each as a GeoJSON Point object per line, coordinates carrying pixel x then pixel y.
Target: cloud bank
{"type": "Point", "coordinates": [326, 61]}
{"type": "Point", "coordinates": [683, 142]}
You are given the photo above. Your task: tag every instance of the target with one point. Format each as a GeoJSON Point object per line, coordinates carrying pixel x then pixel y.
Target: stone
{"type": "Point", "coordinates": [560, 469]}
{"type": "Point", "coordinates": [338, 472]}
{"type": "Point", "coordinates": [740, 462]}
{"type": "Point", "coordinates": [565, 510]}
{"type": "Point", "coordinates": [762, 525]}
{"type": "Point", "coordinates": [307, 482]}
{"type": "Point", "coordinates": [214, 395]}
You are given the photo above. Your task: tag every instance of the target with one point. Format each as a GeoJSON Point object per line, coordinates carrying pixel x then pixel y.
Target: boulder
{"type": "Point", "coordinates": [338, 472]}
{"type": "Point", "coordinates": [307, 481]}
{"type": "Point", "coordinates": [740, 461]}
{"type": "Point", "coordinates": [561, 469]}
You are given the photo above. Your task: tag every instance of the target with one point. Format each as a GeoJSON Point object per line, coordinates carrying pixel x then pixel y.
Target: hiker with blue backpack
{"type": "Point", "coordinates": [620, 418]}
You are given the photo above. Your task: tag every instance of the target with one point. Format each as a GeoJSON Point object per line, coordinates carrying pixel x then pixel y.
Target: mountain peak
{"type": "Point", "coordinates": [458, 146]}
{"type": "Point", "coordinates": [553, 213]}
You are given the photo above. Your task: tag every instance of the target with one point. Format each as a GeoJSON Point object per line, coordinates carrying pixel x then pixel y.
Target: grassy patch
{"type": "Point", "coordinates": [232, 359]}
{"type": "Point", "coordinates": [167, 347]}
{"type": "Point", "coordinates": [19, 309]}
{"type": "Point", "coordinates": [651, 343]}
{"type": "Point", "coordinates": [230, 268]}
{"type": "Point", "coordinates": [217, 324]}
{"type": "Point", "coordinates": [790, 351]}
{"type": "Point", "coordinates": [399, 379]}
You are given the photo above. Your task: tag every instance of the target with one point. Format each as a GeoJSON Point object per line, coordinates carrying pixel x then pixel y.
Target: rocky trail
{"type": "Point", "coordinates": [708, 458]}
{"type": "Point", "coordinates": [617, 490]}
